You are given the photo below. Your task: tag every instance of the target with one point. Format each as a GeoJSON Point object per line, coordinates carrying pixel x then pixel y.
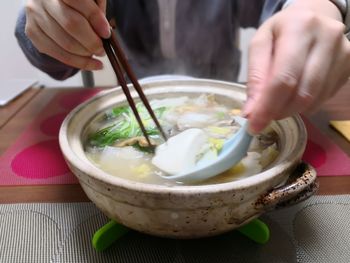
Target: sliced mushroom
{"type": "Point", "coordinates": [141, 140]}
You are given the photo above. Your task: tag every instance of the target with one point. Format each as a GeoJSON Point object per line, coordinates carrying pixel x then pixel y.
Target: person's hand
{"type": "Point", "coordinates": [68, 30]}
{"type": "Point", "coordinates": [297, 59]}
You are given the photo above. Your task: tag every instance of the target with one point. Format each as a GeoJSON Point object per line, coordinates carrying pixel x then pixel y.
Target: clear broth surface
{"type": "Point", "coordinates": [114, 142]}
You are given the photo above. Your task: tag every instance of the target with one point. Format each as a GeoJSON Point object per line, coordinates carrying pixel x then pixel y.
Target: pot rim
{"type": "Point", "coordinates": [95, 173]}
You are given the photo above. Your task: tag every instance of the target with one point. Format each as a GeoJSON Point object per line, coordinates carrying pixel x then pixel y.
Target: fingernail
{"type": "Point", "coordinates": [106, 30]}
{"type": "Point", "coordinates": [256, 127]}
{"type": "Point", "coordinates": [247, 108]}
{"type": "Point", "coordinates": [99, 65]}
{"type": "Point", "coordinates": [95, 65]}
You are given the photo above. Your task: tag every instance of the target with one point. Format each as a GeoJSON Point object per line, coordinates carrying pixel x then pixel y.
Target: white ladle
{"type": "Point", "coordinates": [234, 149]}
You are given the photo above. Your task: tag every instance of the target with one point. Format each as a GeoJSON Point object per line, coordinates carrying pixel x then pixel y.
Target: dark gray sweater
{"type": "Point", "coordinates": [205, 37]}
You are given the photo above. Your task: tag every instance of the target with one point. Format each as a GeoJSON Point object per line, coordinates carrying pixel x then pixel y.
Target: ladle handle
{"type": "Point", "coordinates": [300, 185]}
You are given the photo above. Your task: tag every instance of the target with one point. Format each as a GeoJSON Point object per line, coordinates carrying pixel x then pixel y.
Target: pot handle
{"type": "Point", "coordinates": [300, 185]}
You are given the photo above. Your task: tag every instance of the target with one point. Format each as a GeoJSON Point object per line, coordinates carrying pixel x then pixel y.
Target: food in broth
{"type": "Point", "coordinates": [198, 128]}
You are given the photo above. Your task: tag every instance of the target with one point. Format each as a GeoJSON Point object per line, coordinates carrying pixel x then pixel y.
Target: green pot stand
{"type": "Point", "coordinates": [103, 238]}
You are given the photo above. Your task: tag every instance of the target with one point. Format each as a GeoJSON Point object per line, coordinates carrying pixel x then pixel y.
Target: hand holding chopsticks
{"type": "Point", "coordinates": [119, 62]}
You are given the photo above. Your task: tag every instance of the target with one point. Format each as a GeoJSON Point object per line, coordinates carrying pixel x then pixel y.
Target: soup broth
{"type": "Point", "coordinates": [115, 144]}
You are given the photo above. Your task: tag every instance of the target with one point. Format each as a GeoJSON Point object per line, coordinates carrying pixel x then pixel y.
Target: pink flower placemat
{"type": "Point", "coordinates": [323, 154]}
{"type": "Point", "coordinates": [35, 157]}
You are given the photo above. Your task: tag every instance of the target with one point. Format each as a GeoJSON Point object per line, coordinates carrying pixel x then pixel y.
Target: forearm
{"type": "Point", "coordinates": [45, 63]}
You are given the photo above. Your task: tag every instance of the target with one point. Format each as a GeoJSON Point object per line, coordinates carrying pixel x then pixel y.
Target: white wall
{"type": "Point", "coordinates": [13, 64]}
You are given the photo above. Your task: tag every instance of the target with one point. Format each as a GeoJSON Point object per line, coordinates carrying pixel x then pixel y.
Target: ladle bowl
{"type": "Point", "coordinates": [233, 150]}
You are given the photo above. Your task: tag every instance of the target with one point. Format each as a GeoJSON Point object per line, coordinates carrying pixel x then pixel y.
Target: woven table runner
{"type": "Point", "coordinates": [316, 230]}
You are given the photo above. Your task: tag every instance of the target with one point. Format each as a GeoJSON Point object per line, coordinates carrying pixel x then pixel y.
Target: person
{"type": "Point", "coordinates": [298, 58]}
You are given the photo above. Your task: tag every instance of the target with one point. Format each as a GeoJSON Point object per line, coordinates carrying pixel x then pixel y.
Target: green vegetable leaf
{"type": "Point", "coordinates": [116, 112]}
{"type": "Point", "coordinates": [220, 115]}
{"type": "Point", "coordinates": [126, 125]}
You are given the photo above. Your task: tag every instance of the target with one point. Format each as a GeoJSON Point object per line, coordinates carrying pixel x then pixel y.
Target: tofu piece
{"type": "Point", "coordinates": [181, 151]}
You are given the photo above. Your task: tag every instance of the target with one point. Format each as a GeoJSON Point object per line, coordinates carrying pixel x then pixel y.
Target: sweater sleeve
{"type": "Point", "coordinates": [270, 8]}
{"type": "Point", "coordinates": [254, 13]}
{"type": "Point", "coordinates": [45, 63]}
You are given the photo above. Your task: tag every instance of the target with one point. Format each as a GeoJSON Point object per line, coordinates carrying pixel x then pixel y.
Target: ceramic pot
{"type": "Point", "coordinates": [189, 211]}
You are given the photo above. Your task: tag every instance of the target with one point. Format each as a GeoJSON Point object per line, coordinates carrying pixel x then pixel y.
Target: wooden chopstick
{"type": "Point", "coordinates": [118, 61]}
{"type": "Point", "coordinates": [122, 83]}
{"type": "Point", "coordinates": [122, 58]}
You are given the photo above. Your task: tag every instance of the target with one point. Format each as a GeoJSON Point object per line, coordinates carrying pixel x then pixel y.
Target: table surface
{"type": "Point", "coordinates": [15, 116]}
